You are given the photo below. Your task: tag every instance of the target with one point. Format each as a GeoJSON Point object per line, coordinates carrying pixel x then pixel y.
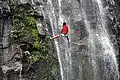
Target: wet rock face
{"type": "Point", "coordinates": [10, 75]}
{"type": "Point", "coordinates": [4, 13]}
{"type": "Point", "coordinates": [116, 29]}
{"type": "Point", "coordinates": [1, 74]}
{"type": "Point", "coordinates": [4, 9]}
{"type": "Point", "coordinates": [5, 53]}
{"type": "Point", "coordinates": [113, 22]}
{"type": "Point", "coordinates": [4, 27]}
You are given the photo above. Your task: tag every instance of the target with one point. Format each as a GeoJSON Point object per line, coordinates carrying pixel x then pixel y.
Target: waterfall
{"type": "Point", "coordinates": [91, 55]}
{"type": "Point", "coordinates": [100, 47]}
{"type": "Point", "coordinates": [61, 44]}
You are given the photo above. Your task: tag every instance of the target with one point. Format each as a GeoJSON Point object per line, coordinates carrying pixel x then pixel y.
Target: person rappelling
{"type": "Point", "coordinates": [64, 32]}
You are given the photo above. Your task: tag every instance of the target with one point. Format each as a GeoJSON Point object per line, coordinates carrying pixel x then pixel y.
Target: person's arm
{"type": "Point", "coordinates": [56, 36]}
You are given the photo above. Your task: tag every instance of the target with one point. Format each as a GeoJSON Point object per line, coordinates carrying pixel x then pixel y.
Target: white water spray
{"type": "Point", "coordinates": [100, 46]}
{"type": "Point", "coordinates": [100, 57]}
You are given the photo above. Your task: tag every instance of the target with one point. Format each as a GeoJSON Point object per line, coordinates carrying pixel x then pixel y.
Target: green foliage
{"type": "Point", "coordinates": [25, 29]}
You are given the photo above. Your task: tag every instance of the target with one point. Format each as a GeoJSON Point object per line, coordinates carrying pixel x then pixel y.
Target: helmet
{"type": "Point", "coordinates": [64, 23]}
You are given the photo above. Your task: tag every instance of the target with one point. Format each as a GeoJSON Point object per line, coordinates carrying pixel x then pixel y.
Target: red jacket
{"type": "Point", "coordinates": [64, 29]}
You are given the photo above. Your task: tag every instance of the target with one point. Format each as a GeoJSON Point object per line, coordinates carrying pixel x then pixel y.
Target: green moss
{"type": "Point", "coordinates": [25, 29]}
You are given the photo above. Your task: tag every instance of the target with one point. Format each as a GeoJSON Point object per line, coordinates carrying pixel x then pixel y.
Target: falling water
{"type": "Point", "coordinates": [99, 62]}
{"type": "Point", "coordinates": [100, 48]}
{"type": "Point", "coordinates": [56, 43]}
{"type": "Point", "coordinates": [96, 63]}
{"type": "Point", "coordinates": [61, 44]}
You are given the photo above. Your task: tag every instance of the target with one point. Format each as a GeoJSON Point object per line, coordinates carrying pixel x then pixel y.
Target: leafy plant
{"type": "Point", "coordinates": [25, 30]}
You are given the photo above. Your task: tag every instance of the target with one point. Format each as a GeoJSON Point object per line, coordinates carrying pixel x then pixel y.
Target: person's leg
{"type": "Point", "coordinates": [65, 35]}
{"type": "Point", "coordinates": [56, 36]}
{"type": "Point", "coordinates": [68, 40]}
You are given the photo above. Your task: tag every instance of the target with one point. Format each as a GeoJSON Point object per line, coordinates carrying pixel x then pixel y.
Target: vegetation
{"type": "Point", "coordinates": [25, 31]}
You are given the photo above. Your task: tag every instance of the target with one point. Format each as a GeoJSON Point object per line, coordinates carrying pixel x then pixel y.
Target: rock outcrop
{"type": "Point", "coordinates": [79, 36]}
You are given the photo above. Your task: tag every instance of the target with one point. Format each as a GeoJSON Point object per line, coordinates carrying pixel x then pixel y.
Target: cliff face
{"type": "Point", "coordinates": [5, 26]}
{"type": "Point", "coordinates": [113, 18]}
{"type": "Point", "coordinates": [6, 52]}
{"type": "Point", "coordinates": [116, 29]}
{"type": "Point", "coordinates": [44, 24]}
{"type": "Point", "coordinates": [113, 22]}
